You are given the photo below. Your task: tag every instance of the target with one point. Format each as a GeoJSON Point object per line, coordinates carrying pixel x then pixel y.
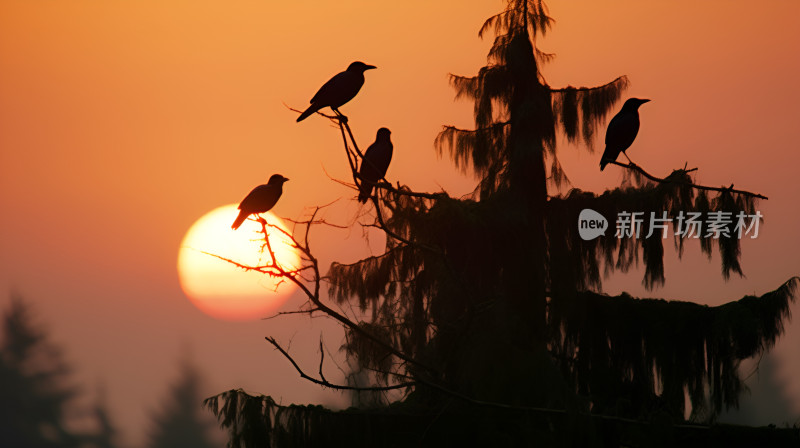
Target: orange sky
{"type": "Point", "coordinates": [121, 123]}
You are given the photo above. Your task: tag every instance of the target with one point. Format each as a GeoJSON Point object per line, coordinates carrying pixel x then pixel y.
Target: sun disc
{"type": "Point", "coordinates": [220, 288]}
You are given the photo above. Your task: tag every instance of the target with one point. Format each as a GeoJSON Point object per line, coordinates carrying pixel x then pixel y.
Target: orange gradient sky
{"type": "Point", "coordinates": [121, 123]}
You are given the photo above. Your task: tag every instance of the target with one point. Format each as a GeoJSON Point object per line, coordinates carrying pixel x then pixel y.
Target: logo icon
{"type": "Point", "coordinates": [591, 224]}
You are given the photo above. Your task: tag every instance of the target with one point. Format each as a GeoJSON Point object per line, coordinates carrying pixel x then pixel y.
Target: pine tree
{"type": "Point", "coordinates": [37, 396]}
{"type": "Point", "coordinates": [493, 301]}
{"type": "Point", "coordinates": [181, 422]}
{"type": "Point", "coordinates": [35, 389]}
{"type": "Point", "coordinates": [106, 435]}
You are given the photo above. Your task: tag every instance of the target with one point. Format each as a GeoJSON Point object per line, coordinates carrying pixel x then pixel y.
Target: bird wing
{"type": "Point", "coordinates": [338, 90]}
{"type": "Point", "coordinates": [261, 199]}
{"type": "Point", "coordinates": [326, 88]}
{"type": "Point", "coordinates": [622, 130]}
{"type": "Point", "coordinates": [384, 157]}
{"type": "Point", "coordinates": [376, 161]}
{"type": "Point", "coordinates": [373, 167]}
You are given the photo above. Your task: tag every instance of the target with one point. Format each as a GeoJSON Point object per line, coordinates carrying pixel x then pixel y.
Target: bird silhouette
{"type": "Point", "coordinates": [338, 90]}
{"type": "Point", "coordinates": [376, 162]}
{"type": "Point", "coordinates": [261, 199]}
{"type": "Point", "coordinates": [622, 130]}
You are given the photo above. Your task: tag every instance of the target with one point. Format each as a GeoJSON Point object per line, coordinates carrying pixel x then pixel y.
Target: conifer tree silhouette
{"type": "Point", "coordinates": [107, 433]}
{"type": "Point", "coordinates": [494, 302]}
{"type": "Point", "coordinates": [36, 391]}
{"type": "Point", "coordinates": [181, 422]}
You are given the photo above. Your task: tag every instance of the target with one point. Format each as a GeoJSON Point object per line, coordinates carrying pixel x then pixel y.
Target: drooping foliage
{"type": "Point", "coordinates": [495, 300]}
{"type": "Point", "coordinates": [576, 264]}
{"type": "Point", "coordinates": [619, 347]}
{"type": "Point", "coordinates": [464, 273]}
{"type": "Point", "coordinates": [404, 424]}
{"type": "Point", "coordinates": [517, 114]}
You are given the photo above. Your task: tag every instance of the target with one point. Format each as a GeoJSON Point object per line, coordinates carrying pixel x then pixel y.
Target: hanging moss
{"type": "Point", "coordinates": [574, 261]}
{"type": "Point", "coordinates": [457, 424]}
{"type": "Point", "coordinates": [649, 351]}
{"type": "Point", "coordinates": [584, 108]}
{"type": "Point", "coordinates": [470, 260]}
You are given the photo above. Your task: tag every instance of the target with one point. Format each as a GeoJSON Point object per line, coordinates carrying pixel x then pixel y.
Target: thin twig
{"type": "Point", "coordinates": [622, 78]}
{"type": "Point", "coordinates": [314, 297]}
{"type": "Point", "coordinates": [415, 194]}
{"type": "Point", "coordinates": [332, 117]}
{"type": "Point", "coordinates": [452, 393]}
{"type": "Point", "coordinates": [352, 139]}
{"type": "Point", "coordinates": [326, 383]}
{"type": "Point", "coordinates": [634, 167]}
{"type": "Point", "coordinates": [283, 313]}
{"type": "Point", "coordinates": [321, 358]}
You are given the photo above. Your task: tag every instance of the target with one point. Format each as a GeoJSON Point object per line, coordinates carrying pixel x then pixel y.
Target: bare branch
{"type": "Point", "coordinates": [636, 168]}
{"type": "Point", "coordinates": [332, 117]}
{"type": "Point", "coordinates": [326, 383]}
{"type": "Point", "coordinates": [321, 359]}
{"type": "Point", "coordinates": [589, 89]}
{"type": "Point", "coordinates": [284, 313]}
{"type": "Point", "coordinates": [314, 296]}
{"type": "Point", "coordinates": [405, 192]}
{"type": "Point", "coordinates": [345, 125]}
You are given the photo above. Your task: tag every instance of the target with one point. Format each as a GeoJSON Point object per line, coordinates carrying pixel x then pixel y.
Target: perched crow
{"type": "Point", "coordinates": [375, 163]}
{"type": "Point", "coordinates": [622, 131]}
{"type": "Point", "coordinates": [261, 199]}
{"type": "Point", "coordinates": [338, 90]}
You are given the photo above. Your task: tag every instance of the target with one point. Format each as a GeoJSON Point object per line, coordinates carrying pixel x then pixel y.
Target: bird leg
{"type": "Point", "coordinates": [626, 156]}
{"type": "Point", "coordinates": [342, 117]}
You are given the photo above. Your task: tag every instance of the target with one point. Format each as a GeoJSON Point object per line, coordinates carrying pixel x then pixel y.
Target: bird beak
{"type": "Point", "coordinates": [369, 67]}
{"type": "Point", "coordinates": [285, 179]}
{"type": "Point", "coordinates": [644, 101]}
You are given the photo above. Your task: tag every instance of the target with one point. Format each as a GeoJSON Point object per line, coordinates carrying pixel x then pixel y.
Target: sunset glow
{"type": "Point", "coordinates": [221, 289]}
{"type": "Point", "coordinates": [126, 128]}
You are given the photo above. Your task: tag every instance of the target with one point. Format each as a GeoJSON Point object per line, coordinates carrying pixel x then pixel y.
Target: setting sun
{"type": "Point", "coordinates": [221, 289]}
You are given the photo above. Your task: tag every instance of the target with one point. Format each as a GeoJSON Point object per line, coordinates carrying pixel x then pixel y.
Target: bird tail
{"type": "Point", "coordinates": [605, 160]}
{"type": "Point", "coordinates": [239, 220]}
{"type": "Point", "coordinates": [364, 190]}
{"type": "Point", "coordinates": [311, 109]}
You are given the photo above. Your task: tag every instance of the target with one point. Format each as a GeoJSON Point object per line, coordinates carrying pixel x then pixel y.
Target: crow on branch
{"type": "Point", "coordinates": [622, 130]}
{"type": "Point", "coordinates": [261, 199]}
{"type": "Point", "coordinates": [376, 162]}
{"type": "Point", "coordinates": [338, 90]}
